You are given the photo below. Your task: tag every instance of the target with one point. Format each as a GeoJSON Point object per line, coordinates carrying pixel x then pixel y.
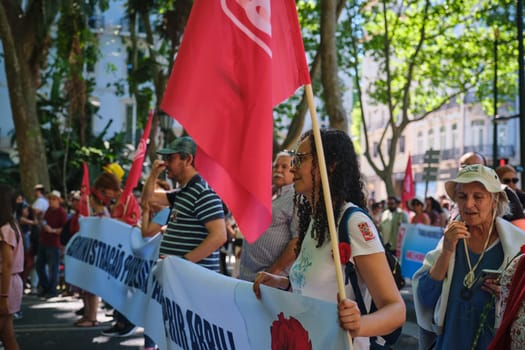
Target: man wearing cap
{"type": "Point", "coordinates": [197, 214]}
{"type": "Point", "coordinates": [450, 297]}
{"type": "Point", "coordinates": [48, 255]}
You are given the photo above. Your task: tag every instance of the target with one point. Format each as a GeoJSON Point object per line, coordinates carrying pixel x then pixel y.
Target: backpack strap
{"type": "Point", "coordinates": [350, 272]}
{"type": "Point", "coordinates": [377, 342]}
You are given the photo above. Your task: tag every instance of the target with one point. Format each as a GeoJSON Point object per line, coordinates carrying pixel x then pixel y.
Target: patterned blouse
{"type": "Point", "coordinates": [517, 330]}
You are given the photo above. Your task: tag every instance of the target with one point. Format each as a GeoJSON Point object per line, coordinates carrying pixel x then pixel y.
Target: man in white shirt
{"type": "Point", "coordinates": [41, 203]}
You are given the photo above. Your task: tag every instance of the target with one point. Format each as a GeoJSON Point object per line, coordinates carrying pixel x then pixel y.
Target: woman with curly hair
{"type": "Point", "coordinates": [12, 260]}
{"type": "Point", "coordinates": [313, 273]}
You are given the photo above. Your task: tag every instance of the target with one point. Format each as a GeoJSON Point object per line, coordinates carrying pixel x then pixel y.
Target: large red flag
{"type": "Point", "coordinates": [237, 60]}
{"type": "Point", "coordinates": [83, 205]}
{"type": "Point", "coordinates": [408, 184]}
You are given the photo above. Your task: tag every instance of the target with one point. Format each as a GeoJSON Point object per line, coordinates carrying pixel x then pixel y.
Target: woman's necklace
{"type": "Point", "coordinates": [470, 277]}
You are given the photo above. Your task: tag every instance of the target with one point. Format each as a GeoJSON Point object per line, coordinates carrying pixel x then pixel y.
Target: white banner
{"type": "Point", "coordinates": [197, 308]}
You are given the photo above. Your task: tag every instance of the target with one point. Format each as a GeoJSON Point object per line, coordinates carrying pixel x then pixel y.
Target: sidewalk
{"type": "Point", "coordinates": [48, 325]}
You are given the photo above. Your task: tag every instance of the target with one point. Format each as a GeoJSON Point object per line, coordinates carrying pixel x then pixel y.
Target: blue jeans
{"type": "Point", "coordinates": [49, 256]}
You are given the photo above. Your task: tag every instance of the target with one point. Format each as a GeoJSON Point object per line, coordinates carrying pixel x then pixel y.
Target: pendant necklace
{"type": "Point", "coordinates": [470, 277]}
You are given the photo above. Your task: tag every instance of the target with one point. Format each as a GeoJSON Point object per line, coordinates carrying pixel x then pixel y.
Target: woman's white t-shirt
{"type": "Point", "coordinates": [313, 272]}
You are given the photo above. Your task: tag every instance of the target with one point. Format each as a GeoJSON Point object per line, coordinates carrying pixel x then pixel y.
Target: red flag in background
{"type": "Point", "coordinates": [236, 62]}
{"type": "Point", "coordinates": [83, 205]}
{"type": "Point", "coordinates": [408, 184]}
{"type": "Point", "coordinates": [138, 161]}
{"type": "Point", "coordinates": [127, 209]}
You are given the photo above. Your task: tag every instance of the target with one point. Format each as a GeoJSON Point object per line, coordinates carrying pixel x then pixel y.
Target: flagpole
{"type": "Point", "coordinates": [327, 196]}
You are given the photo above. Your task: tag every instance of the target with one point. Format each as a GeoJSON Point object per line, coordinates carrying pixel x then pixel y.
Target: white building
{"type": "Point", "coordinates": [452, 130]}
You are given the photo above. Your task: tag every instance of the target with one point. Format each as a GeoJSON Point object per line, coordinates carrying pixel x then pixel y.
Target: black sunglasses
{"type": "Point", "coordinates": [514, 180]}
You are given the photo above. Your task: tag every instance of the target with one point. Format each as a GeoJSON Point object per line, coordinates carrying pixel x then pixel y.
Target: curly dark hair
{"type": "Point", "coordinates": [344, 178]}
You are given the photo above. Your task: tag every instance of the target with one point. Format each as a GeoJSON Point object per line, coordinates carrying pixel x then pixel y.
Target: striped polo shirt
{"type": "Point", "coordinates": [192, 207]}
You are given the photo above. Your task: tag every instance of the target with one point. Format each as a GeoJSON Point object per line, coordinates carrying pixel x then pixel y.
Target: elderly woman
{"type": "Point", "coordinates": [448, 295]}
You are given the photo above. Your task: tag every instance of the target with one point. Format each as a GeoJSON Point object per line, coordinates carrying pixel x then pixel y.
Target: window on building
{"type": "Point", "coordinates": [419, 141]}
{"type": "Point", "coordinates": [454, 136]}
{"type": "Point", "coordinates": [402, 144]}
{"type": "Point", "coordinates": [442, 138]}
{"type": "Point", "coordinates": [478, 127]}
{"type": "Point", "coordinates": [431, 139]}
{"type": "Point", "coordinates": [374, 150]}
{"type": "Point", "coordinates": [502, 132]}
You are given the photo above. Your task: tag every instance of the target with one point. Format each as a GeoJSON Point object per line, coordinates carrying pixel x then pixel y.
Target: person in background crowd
{"type": "Point", "coordinates": [437, 215]}
{"type": "Point", "coordinates": [420, 216]}
{"type": "Point", "coordinates": [197, 214]}
{"type": "Point", "coordinates": [41, 203]}
{"type": "Point", "coordinates": [28, 226]}
{"type": "Point", "coordinates": [391, 219]}
{"type": "Point", "coordinates": [48, 257]}
{"type": "Point", "coordinates": [449, 296]}
{"type": "Point", "coordinates": [154, 220]}
{"type": "Point", "coordinates": [12, 259]}
{"type": "Point", "coordinates": [88, 312]}
{"type": "Point", "coordinates": [107, 190]}
{"type": "Point", "coordinates": [313, 272]}
{"type": "Point", "coordinates": [39, 207]}
{"type": "Point", "coordinates": [516, 208]}
{"type": "Point", "coordinates": [274, 250]}
{"type": "Point", "coordinates": [71, 227]}
{"type": "Point", "coordinates": [377, 213]}
{"type": "Point", "coordinates": [509, 177]}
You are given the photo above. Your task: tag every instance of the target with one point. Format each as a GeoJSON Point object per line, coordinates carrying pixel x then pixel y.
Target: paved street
{"type": "Point", "coordinates": [48, 325]}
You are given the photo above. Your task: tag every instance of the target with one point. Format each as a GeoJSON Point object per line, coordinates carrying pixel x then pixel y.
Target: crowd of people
{"type": "Point", "coordinates": [456, 307]}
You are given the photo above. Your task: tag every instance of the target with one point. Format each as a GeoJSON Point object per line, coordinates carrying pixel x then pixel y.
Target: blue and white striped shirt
{"type": "Point", "coordinates": [193, 206]}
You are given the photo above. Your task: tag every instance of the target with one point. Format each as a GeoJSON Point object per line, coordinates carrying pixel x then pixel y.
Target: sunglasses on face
{"type": "Point", "coordinates": [507, 181]}
{"type": "Point", "coordinates": [298, 158]}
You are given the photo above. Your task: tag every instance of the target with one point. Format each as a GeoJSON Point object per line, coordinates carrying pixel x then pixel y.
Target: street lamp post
{"type": "Point", "coordinates": [495, 91]}
{"type": "Point", "coordinates": [521, 80]}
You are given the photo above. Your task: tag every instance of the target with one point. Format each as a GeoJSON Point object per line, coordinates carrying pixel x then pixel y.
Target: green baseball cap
{"type": "Point", "coordinates": [183, 144]}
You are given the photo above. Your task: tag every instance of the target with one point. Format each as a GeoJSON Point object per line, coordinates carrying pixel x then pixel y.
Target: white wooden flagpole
{"type": "Point", "coordinates": [334, 239]}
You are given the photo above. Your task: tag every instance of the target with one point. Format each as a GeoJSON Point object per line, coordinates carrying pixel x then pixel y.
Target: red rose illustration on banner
{"type": "Point", "coordinates": [345, 252]}
{"type": "Point", "coordinates": [522, 249]}
{"type": "Point", "coordinates": [289, 334]}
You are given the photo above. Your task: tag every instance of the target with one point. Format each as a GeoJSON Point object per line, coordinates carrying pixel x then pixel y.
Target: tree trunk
{"type": "Point", "coordinates": [329, 66]}
{"type": "Point", "coordinates": [22, 95]}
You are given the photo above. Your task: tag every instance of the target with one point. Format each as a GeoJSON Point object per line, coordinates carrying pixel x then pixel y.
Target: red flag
{"type": "Point", "coordinates": [138, 161]}
{"type": "Point", "coordinates": [408, 184]}
{"type": "Point", "coordinates": [236, 62]}
{"type": "Point", "coordinates": [83, 205]}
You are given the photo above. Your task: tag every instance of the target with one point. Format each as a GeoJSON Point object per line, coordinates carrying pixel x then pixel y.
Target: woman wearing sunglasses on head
{"type": "Point", "coordinates": [509, 176]}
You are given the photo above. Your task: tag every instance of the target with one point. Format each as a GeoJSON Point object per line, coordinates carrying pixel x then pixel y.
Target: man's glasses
{"type": "Point", "coordinates": [514, 180]}
{"type": "Point", "coordinates": [298, 158]}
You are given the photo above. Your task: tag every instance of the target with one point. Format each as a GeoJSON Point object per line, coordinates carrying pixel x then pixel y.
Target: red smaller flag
{"type": "Point", "coordinates": [138, 161]}
{"type": "Point", "coordinates": [83, 206]}
{"type": "Point", "coordinates": [408, 185]}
